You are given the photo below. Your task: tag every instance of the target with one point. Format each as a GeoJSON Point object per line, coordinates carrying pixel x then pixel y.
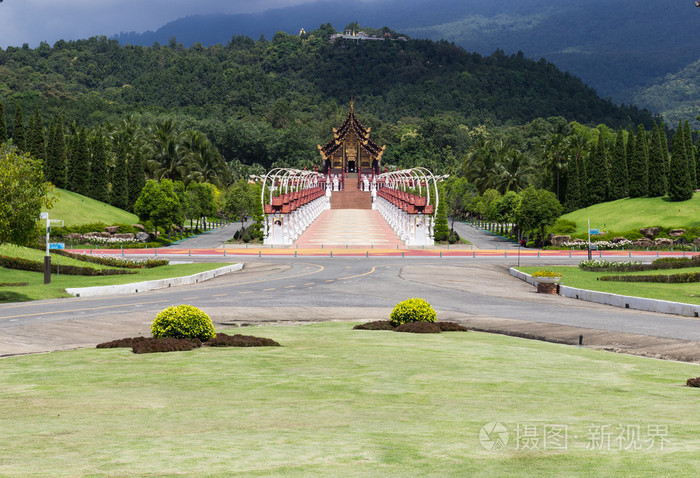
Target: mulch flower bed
{"type": "Point", "coordinates": [238, 340]}
{"type": "Point", "coordinates": [413, 327]}
{"type": "Point", "coordinates": [419, 328]}
{"type": "Point", "coordinates": [143, 345]}
{"type": "Point", "coordinates": [376, 325]}
{"type": "Point", "coordinates": [693, 382]}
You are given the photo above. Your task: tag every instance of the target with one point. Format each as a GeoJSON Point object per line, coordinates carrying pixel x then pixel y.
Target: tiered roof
{"type": "Point", "coordinates": [351, 127]}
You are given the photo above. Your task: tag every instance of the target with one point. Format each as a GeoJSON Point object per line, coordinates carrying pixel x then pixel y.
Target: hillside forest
{"type": "Point", "coordinates": [103, 118]}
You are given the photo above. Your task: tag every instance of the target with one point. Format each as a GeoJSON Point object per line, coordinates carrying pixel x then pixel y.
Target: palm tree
{"type": "Point", "coordinates": [165, 156]}
{"type": "Point", "coordinates": [555, 158]}
{"type": "Point", "coordinates": [479, 165]}
{"type": "Point", "coordinates": [513, 172]}
{"type": "Point", "coordinates": [203, 160]}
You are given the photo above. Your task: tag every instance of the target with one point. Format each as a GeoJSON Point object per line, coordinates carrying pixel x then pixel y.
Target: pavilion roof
{"type": "Point", "coordinates": [351, 127]}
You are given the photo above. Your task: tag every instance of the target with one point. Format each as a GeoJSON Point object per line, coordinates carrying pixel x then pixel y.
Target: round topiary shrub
{"type": "Point", "coordinates": [412, 310]}
{"type": "Point", "coordinates": [183, 322]}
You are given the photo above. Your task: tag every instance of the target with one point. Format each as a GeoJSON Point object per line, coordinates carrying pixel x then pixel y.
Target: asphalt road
{"type": "Point", "coordinates": [481, 239]}
{"type": "Point", "coordinates": [210, 239]}
{"type": "Point", "coordinates": [480, 287]}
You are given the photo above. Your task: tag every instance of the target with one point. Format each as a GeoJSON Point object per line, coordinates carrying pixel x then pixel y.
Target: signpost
{"type": "Point", "coordinates": [49, 245]}
{"type": "Point", "coordinates": [589, 240]}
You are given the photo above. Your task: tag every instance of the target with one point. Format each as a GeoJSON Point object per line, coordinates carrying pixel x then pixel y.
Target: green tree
{"type": "Point", "coordinates": [18, 133]}
{"type": "Point", "coordinates": [680, 187]}
{"type": "Point", "coordinates": [3, 125]}
{"type": "Point", "coordinates": [203, 199]}
{"type": "Point", "coordinates": [99, 177]}
{"type": "Point", "coordinates": [136, 177]}
{"type": "Point", "coordinates": [658, 157]}
{"type": "Point", "coordinates": [239, 202]}
{"type": "Point", "coordinates": [56, 154]}
{"type": "Point", "coordinates": [598, 177]}
{"type": "Point", "coordinates": [79, 166]}
{"type": "Point", "coordinates": [639, 166]}
{"type": "Point", "coordinates": [505, 207]}
{"type": "Point", "coordinates": [690, 154]}
{"type": "Point", "coordinates": [441, 231]}
{"type": "Point", "coordinates": [23, 192]}
{"type": "Point", "coordinates": [458, 193]}
{"type": "Point", "coordinates": [619, 174]}
{"type": "Point", "coordinates": [555, 159]}
{"type": "Point", "coordinates": [120, 183]}
{"type": "Point", "coordinates": [538, 209]}
{"type": "Point", "coordinates": [36, 144]}
{"type": "Point", "coordinates": [159, 204]}
{"type": "Point", "coordinates": [576, 174]}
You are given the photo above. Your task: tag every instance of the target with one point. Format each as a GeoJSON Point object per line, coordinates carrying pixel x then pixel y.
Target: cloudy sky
{"type": "Point", "coordinates": [33, 21]}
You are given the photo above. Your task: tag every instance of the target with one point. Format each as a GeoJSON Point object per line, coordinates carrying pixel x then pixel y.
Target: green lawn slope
{"type": "Point", "coordinates": [333, 401]}
{"type": "Point", "coordinates": [75, 209]}
{"type": "Point", "coordinates": [626, 214]}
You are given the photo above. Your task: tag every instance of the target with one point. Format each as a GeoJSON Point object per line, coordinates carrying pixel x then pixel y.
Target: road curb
{"type": "Point", "coordinates": [151, 284]}
{"type": "Point", "coordinates": [622, 301]}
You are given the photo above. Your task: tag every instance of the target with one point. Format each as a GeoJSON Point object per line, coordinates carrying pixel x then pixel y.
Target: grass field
{"type": "Point", "coordinates": [575, 277]}
{"type": "Point", "coordinates": [37, 255]}
{"type": "Point", "coordinates": [36, 289]}
{"type": "Point", "coordinates": [75, 209]}
{"type": "Point", "coordinates": [626, 214]}
{"type": "Point", "coordinates": [337, 402]}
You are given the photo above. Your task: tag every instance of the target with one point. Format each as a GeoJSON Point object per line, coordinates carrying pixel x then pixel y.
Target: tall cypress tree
{"type": "Point", "coordinates": [57, 154]}
{"type": "Point", "coordinates": [679, 186]}
{"type": "Point", "coordinates": [639, 166]}
{"type": "Point", "coordinates": [18, 134]}
{"type": "Point", "coordinates": [618, 169]}
{"type": "Point", "coordinates": [99, 180]}
{"type": "Point", "coordinates": [665, 151]}
{"type": "Point", "coordinates": [79, 168]}
{"type": "Point", "coordinates": [120, 182]}
{"type": "Point", "coordinates": [36, 144]}
{"type": "Point", "coordinates": [137, 177]}
{"type": "Point", "coordinates": [49, 169]}
{"type": "Point", "coordinates": [3, 125]}
{"type": "Point", "coordinates": [658, 182]}
{"type": "Point", "coordinates": [573, 186]}
{"type": "Point", "coordinates": [690, 154]}
{"type": "Point", "coordinates": [598, 176]}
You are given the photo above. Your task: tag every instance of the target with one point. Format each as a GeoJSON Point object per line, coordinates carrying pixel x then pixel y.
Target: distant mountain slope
{"type": "Point", "coordinates": [676, 96]}
{"type": "Point", "coordinates": [615, 46]}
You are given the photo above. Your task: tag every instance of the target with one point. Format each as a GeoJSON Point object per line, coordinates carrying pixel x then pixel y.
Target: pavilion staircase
{"type": "Point", "coordinates": [351, 197]}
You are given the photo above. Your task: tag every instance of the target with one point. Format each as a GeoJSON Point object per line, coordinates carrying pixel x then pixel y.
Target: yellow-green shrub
{"type": "Point", "coordinates": [183, 322]}
{"type": "Point", "coordinates": [412, 310]}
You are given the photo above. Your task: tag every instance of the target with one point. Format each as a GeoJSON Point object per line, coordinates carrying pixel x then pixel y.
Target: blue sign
{"type": "Point", "coordinates": [57, 245]}
{"type": "Point", "coordinates": [594, 231]}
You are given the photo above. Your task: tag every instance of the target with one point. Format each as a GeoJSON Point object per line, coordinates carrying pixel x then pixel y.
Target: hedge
{"type": "Point", "coordinates": [665, 263]}
{"type": "Point", "coordinates": [114, 261]}
{"type": "Point", "coordinates": [21, 264]}
{"type": "Point", "coordinates": [683, 278]}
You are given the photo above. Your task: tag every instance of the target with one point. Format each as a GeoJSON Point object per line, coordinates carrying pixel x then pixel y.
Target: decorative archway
{"type": "Point", "coordinates": [291, 199]}
{"type": "Point", "coordinates": [408, 200]}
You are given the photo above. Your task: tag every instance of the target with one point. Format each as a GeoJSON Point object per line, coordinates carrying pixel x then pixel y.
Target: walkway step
{"type": "Point", "coordinates": [351, 198]}
{"type": "Point", "coordinates": [349, 227]}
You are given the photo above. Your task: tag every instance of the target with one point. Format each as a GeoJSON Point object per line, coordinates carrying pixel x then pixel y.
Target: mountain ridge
{"type": "Point", "coordinates": [618, 48]}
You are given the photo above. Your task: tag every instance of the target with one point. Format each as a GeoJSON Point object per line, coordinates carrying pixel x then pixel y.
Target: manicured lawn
{"type": "Point", "coordinates": [575, 277]}
{"type": "Point", "coordinates": [75, 209]}
{"type": "Point", "coordinates": [337, 402]}
{"type": "Point", "coordinates": [37, 255]}
{"type": "Point", "coordinates": [37, 290]}
{"type": "Point", "coordinates": [626, 214]}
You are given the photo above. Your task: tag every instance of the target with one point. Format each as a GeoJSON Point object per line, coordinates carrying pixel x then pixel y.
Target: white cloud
{"type": "Point", "coordinates": [33, 21]}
